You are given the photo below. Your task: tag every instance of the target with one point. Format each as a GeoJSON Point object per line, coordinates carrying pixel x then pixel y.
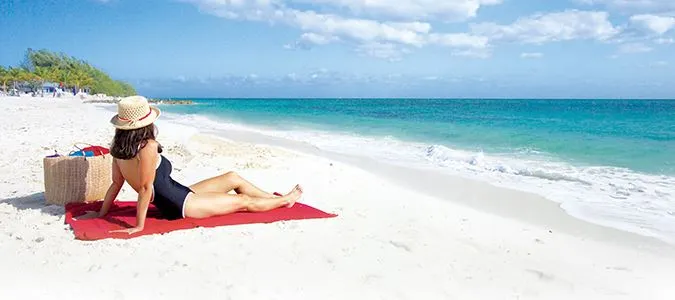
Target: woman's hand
{"type": "Point", "coordinates": [130, 231]}
{"type": "Point", "coordinates": [90, 214]}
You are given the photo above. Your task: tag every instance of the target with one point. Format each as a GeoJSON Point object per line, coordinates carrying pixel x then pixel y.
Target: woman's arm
{"type": "Point", "coordinates": [113, 190]}
{"type": "Point", "coordinates": [146, 173]}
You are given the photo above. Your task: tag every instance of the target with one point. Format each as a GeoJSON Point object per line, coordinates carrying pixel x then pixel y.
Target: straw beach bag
{"type": "Point", "coordinates": [82, 176]}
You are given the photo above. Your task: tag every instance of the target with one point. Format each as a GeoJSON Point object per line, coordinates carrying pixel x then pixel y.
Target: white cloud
{"type": "Point", "coordinates": [464, 44]}
{"type": "Point", "coordinates": [292, 76]}
{"type": "Point", "coordinates": [308, 39]}
{"type": "Point", "coordinates": [445, 10]}
{"type": "Point", "coordinates": [473, 53]}
{"type": "Point", "coordinates": [389, 29]}
{"type": "Point", "coordinates": [383, 39]}
{"type": "Point", "coordinates": [646, 6]}
{"type": "Point", "coordinates": [660, 63]}
{"type": "Point", "coordinates": [459, 40]}
{"type": "Point", "coordinates": [386, 51]}
{"type": "Point", "coordinates": [551, 27]}
{"type": "Point", "coordinates": [259, 10]}
{"type": "Point", "coordinates": [318, 39]}
{"type": "Point", "coordinates": [531, 55]}
{"type": "Point", "coordinates": [632, 48]}
{"type": "Point", "coordinates": [656, 24]}
{"type": "Point", "coordinates": [664, 41]}
{"type": "Point", "coordinates": [296, 46]}
{"type": "Point", "coordinates": [361, 30]}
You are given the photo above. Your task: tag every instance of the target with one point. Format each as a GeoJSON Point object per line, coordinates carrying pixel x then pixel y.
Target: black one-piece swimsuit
{"type": "Point", "coordinates": [169, 195]}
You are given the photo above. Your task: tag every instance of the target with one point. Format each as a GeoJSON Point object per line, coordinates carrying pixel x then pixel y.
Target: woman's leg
{"type": "Point", "coordinates": [228, 182]}
{"type": "Point", "coordinates": [204, 205]}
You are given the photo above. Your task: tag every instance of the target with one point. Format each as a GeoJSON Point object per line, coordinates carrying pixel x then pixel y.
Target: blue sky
{"type": "Point", "coordinates": [360, 48]}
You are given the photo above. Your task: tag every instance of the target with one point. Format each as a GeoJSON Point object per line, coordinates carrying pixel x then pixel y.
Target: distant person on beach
{"type": "Point", "coordinates": [137, 161]}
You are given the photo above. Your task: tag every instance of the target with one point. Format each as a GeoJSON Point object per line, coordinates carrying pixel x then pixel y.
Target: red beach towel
{"type": "Point", "coordinates": [123, 215]}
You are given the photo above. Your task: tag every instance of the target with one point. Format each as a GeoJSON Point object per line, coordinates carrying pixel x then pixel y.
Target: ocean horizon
{"type": "Point", "coordinates": [415, 98]}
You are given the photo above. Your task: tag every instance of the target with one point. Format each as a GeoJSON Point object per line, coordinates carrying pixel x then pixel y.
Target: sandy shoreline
{"type": "Point", "coordinates": [389, 242]}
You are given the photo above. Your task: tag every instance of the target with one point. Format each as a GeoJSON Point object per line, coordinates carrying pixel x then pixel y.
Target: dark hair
{"type": "Point", "coordinates": [127, 143]}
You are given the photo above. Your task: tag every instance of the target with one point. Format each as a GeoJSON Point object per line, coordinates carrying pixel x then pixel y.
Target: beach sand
{"type": "Point", "coordinates": [394, 238]}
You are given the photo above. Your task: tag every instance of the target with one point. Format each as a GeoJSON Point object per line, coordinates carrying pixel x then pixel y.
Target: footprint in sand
{"type": "Point", "coordinates": [400, 246]}
{"type": "Point", "coordinates": [541, 275]}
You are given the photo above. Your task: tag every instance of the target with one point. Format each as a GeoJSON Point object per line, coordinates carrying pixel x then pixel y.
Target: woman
{"type": "Point", "coordinates": [137, 161]}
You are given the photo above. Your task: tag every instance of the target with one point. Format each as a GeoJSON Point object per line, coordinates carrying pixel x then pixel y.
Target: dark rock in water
{"type": "Point", "coordinates": [108, 101]}
{"type": "Point", "coordinates": [176, 102]}
{"type": "Point", "coordinates": [152, 101]}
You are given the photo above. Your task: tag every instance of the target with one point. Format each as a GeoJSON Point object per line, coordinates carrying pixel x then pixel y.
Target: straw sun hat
{"type": "Point", "coordinates": [134, 112]}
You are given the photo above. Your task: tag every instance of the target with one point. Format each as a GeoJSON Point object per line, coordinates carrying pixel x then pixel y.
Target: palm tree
{"type": "Point", "coordinates": [87, 81]}
{"type": "Point", "coordinates": [44, 73]}
{"type": "Point", "coordinates": [16, 75]}
{"type": "Point", "coordinates": [19, 76]}
{"type": "Point", "coordinates": [80, 78]}
{"type": "Point", "coordinates": [63, 76]}
{"type": "Point", "coordinates": [4, 78]}
{"type": "Point", "coordinates": [37, 79]}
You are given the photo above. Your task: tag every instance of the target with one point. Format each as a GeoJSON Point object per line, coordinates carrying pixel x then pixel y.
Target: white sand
{"type": "Point", "coordinates": [389, 242]}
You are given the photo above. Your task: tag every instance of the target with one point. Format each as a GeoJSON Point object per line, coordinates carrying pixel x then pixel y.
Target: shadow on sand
{"type": "Point", "coordinates": [34, 201]}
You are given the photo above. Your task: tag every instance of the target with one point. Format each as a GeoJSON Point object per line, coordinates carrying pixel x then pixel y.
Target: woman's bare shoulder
{"type": "Point", "coordinates": [152, 144]}
{"type": "Point", "coordinates": [150, 149]}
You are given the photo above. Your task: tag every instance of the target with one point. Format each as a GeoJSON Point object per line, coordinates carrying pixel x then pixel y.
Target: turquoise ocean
{"type": "Point", "coordinates": [611, 162]}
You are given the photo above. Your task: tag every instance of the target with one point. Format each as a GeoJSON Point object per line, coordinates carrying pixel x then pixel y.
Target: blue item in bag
{"type": "Point", "coordinates": [82, 153]}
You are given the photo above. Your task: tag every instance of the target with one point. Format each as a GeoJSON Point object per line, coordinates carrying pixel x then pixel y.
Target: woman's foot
{"type": "Point", "coordinates": [293, 196]}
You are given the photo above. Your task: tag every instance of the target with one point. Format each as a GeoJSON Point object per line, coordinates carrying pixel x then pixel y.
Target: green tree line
{"type": "Point", "coordinates": [43, 66]}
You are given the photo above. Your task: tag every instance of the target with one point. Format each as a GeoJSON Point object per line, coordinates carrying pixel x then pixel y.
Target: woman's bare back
{"type": "Point", "coordinates": [129, 169]}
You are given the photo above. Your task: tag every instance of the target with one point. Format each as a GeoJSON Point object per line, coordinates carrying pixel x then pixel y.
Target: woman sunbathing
{"type": "Point", "coordinates": [137, 161]}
